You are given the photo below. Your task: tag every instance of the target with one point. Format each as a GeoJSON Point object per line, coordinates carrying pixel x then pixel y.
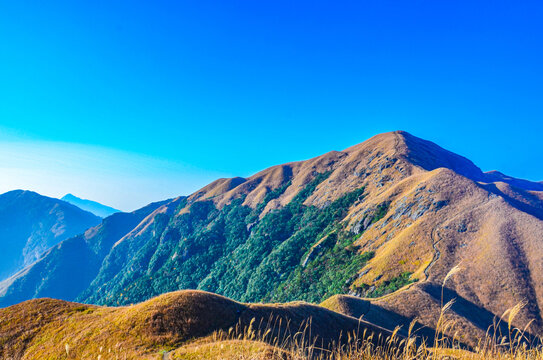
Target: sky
{"type": "Point", "coordinates": [128, 102]}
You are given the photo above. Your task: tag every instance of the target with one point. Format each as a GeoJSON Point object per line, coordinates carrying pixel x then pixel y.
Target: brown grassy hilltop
{"type": "Point", "coordinates": [56, 329]}
{"type": "Point", "coordinates": [192, 324]}
{"type": "Point", "coordinates": [423, 213]}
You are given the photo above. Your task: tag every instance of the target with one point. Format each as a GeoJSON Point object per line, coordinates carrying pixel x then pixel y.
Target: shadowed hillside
{"type": "Point", "coordinates": [31, 223]}
{"type": "Point", "coordinates": [69, 267]}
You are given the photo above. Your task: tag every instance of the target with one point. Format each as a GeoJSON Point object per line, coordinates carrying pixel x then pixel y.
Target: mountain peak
{"type": "Point", "coordinates": [91, 206]}
{"type": "Point", "coordinates": [419, 152]}
{"type": "Point", "coordinates": [430, 156]}
{"type": "Point", "coordinates": [383, 159]}
{"type": "Point", "coordinates": [19, 192]}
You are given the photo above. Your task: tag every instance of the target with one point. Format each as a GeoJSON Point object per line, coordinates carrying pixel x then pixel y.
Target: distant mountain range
{"type": "Point", "coordinates": [31, 223]}
{"type": "Point", "coordinates": [68, 268]}
{"type": "Point", "coordinates": [91, 206]}
{"type": "Point", "coordinates": [384, 220]}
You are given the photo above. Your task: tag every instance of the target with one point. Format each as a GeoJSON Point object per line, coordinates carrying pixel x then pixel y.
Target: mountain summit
{"type": "Point", "coordinates": [384, 220]}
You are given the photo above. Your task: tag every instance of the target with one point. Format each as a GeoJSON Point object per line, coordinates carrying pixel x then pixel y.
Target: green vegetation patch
{"type": "Point", "coordinates": [380, 212]}
{"type": "Point", "coordinates": [296, 252]}
{"type": "Point", "coordinates": [328, 274]}
{"type": "Point", "coordinates": [387, 287]}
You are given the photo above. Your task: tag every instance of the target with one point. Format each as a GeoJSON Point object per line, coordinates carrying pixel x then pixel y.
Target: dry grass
{"type": "Point", "coordinates": [263, 341]}
{"type": "Point", "coordinates": [257, 342]}
{"type": "Point", "coordinates": [55, 329]}
{"type": "Point", "coordinates": [195, 325]}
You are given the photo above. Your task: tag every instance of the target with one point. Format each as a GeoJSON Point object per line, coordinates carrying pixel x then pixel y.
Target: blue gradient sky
{"type": "Point", "coordinates": [128, 102]}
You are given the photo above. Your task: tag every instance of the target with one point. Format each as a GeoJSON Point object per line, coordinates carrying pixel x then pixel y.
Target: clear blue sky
{"type": "Point", "coordinates": [175, 93]}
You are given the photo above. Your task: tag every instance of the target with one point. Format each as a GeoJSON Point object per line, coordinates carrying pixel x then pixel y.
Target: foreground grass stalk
{"type": "Point", "coordinates": [275, 340]}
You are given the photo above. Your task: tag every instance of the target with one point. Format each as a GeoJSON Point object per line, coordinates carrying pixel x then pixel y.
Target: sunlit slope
{"type": "Point", "coordinates": [47, 329]}
{"type": "Point", "coordinates": [386, 219]}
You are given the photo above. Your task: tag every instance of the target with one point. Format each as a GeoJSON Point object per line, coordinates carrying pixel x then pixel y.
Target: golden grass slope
{"type": "Point", "coordinates": [55, 329]}
{"type": "Point", "coordinates": [194, 325]}
{"type": "Point", "coordinates": [496, 244]}
{"type": "Point", "coordinates": [375, 163]}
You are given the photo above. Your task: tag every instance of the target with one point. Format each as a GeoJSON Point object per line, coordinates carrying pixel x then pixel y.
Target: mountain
{"type": "Point", "coordinates": [31, 223]}
{"type": "Point", "coordinates": [91, 206]}
{"type": "Point", "coordinates": [69, 267]}
{"type": "Point", "coordinates": [382, 222]}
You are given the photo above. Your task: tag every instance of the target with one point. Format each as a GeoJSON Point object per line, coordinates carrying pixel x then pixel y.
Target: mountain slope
{"type": "Point", "coordinates": [91, 206]}
{"type": "Point", "coordinates": [368, 220]}
{"type": "Point", "coordinates": [31, 223]}
{"type": "Point", "coordinates": [263, 229]}
{"type": "Point", "coordinates": [386, 219]}
{"type": "Point", "coordinates": [69, 267]}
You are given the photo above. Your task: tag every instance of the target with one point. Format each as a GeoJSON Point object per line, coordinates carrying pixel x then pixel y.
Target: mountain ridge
{"type": "Point", "coordinates": [30, 223]}
{"type": "Point", "coordinates": [68, 267]}
{"type": "Point", "coordinates": [390, 216]}
{"type": "Point", "coordinates": [168, 321]}
{"type": "Point", "coordinates": [89, 205]}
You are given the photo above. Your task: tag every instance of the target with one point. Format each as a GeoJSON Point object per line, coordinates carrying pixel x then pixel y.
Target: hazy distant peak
{"type": "Point", "coordinates": [21, 192]}
{"type": "Point", "coordinates": [91, 206]}
{"type": "Point", "coordinates": [31, 223]}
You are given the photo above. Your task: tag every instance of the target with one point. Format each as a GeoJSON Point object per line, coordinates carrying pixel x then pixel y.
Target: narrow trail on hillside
{"type": "Point", "coordinates": [436, 239]}
{"type": "Point", "coordinates": [437, 253]}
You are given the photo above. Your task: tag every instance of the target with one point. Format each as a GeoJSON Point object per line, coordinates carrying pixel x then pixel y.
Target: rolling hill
{"type": "Point", "coordinates": [31, 223]}
{"type": "Point", "coordinates": [383, 221]}
{"type": "Point", "coordinates": [56, 329]}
